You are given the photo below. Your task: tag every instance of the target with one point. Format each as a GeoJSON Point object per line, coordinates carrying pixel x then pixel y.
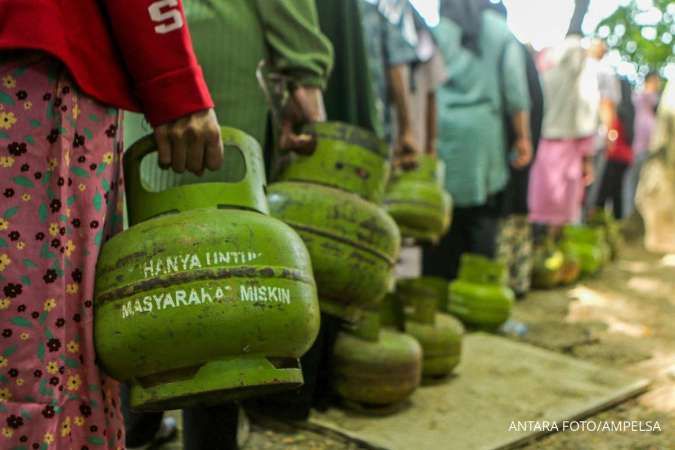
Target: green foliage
{"type": "Point", "coordinates": [646, 43]}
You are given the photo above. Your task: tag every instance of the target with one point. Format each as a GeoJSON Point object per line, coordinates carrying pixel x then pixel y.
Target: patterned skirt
{"type": "Point", "coordinates": [60, 198]}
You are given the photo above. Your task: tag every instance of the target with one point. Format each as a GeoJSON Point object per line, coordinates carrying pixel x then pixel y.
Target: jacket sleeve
{"type": "Point", "coordinates": [155, 44]}
{"type": "Point", "coordinates": [298, 47]}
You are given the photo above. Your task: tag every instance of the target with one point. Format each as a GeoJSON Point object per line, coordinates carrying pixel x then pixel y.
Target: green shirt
{"type": "Point", "coordinates": [349, 96]}
{"type": "Point", "coordinates": [230, 38]}
{"type": "Point", "coordinates": [471, 106]}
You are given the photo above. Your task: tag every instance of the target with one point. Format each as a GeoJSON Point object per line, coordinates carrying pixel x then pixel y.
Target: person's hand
{"type": "Point", "coordinates": [190, 143]}
{"type": "Point", "coordinates": [523, 153]}
{"type": "Point", "coordinates": [588, 171]}
{"type": "Point", "coordinates": [611, 139]}
{"type": "Point", "coordinates": [305, 106]}
{"type": "Point", "coordinates": [405, 155]}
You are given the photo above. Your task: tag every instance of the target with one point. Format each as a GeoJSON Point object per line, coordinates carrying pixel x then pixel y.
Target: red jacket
{"type": "Point", "coordinates": [618, 148]}
{"type": "Point", "coordinates": [131, 54]}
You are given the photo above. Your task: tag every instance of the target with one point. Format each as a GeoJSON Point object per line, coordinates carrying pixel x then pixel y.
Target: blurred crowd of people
{"type": "Point", "coordinates": [531, 140]}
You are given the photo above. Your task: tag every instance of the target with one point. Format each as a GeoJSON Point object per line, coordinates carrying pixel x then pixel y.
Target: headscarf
{"type": "Point", "coordinates": [498, 7]}
{"type": "Point", "coordinates": [467, 14]}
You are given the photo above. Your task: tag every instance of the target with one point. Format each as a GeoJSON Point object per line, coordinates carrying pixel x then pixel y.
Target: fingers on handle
{"type": "Point", "coordinates": [300, 143]}
{"type": "Point", "coordinates": [195, 151]}
{"type": "Point", "coordinates": [213, 157]}
{"type": "Point", "coordinates": [163, 146]}
{"type": "Point", "coordinates": [179, 146]}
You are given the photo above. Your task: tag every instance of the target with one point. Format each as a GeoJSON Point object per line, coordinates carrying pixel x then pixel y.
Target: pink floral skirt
{"type": "Point", "coordinates": [60, 198]}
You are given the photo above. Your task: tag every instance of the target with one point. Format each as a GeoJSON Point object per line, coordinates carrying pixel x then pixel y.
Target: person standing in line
{"type": "Point", "coordinates": [609, 87]}
{"type": "Point", "coordinates": [66, 69]}
{"type": "Point", "coordinates": [515, 241]}
{"type": "Point", "coordinates": [349, 94]}
{"type": "Point", "coordinates": [427, 75]}
{"type": "Point", "coordinates": [619, 154]}
{"type": "Point", "coordinates": [516, 237]}
{"type": "Point", "coordinates": [473, 42]}
{"type": "Point", "coordinates": [563, 167]}
{"type": "Point", "coordinates": [646, 104]}
{"type": "Point", "coordinates": [389, 54]}
{"type": "Point", "coordinates": [285, 35]}
{"type": "Point", "coordinates": [424, 77]}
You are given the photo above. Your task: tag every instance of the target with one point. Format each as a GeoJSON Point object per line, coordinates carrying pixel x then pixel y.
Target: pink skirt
{"type": "Point", "coordinates": [60, 199]}
{"type": "Point", "coordinates": [556, 190]}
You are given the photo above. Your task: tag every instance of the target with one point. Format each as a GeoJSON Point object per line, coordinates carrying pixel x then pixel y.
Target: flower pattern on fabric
{"type": "Point", "coordinates": [60, 180]}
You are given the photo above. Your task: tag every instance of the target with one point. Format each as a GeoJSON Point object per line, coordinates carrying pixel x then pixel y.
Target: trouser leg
{"type": "Point", "coordinates": [617, 193]}
{"type": "Point", "coordinates": [606, 185]}
{"type": "Point", "coordinates": [211, 428]}
{"type": "Point", "coordinates": [506, 244]}
{"type": "Point", "coordinates": [515, 248]}
{"type": "Point", "coordinates": [593, 191]}
{"type": "Point", "coordinates": [323, 392]}
{"type": "Point", "coordinates": [631, 179]}
{"type": "Point", "coordinates": [523, 257]}
{"type": "Point", "coordinates": [483, 228]}
{"type": "Point", "coordinates": [612, 187]}
{"type": "Point", "coordinates": [141, 428]}
{"type": "Point", "coordinates": [442, 260]}
{"type": "Point", "coordinates": [316, 389]}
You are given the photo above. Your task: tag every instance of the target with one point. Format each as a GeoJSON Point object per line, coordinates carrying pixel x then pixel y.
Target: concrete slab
{"type": "Point", "coordinates": [498, 384]}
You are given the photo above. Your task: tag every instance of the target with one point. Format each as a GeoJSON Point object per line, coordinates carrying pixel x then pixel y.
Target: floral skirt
{"type": "Point", "coordinates": [514, 248]}
{"type": "Point", "coordinates": [60, 198]}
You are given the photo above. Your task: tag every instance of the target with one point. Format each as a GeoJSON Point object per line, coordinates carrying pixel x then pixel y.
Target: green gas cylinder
{"type": "Point", "coordinates": [435, 288]}
{"type": "Point", "coordinates": [348, 158]}
{"type": "Point", "coordinates": [589, 244]}
{"type": "Point", "coordinates": [441, 343]}
{"type": "Point", "coordinates": [205, 298]}
{"type": "Point", "coordinates": [439, 334]}
{"type": "Point", "coordinates": [353, 243]}
{"type": "Point", "coordinates": [547, 269]}
{"type": "Point", "coordinates": [418, 202]}
{"type": "Point", "coordinates": [374, 369]}
{"type": "Point", "coordinates": [480, 296]}
{"type": "Point", "coordinates": [606, 221]}
{"type": "Point", "coordinates": [571, 269]}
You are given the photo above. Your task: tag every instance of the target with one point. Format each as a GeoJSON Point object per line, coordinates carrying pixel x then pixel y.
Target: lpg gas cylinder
{"type": "Point", "coordinates": [206, 298]}
{"type": "Point", "coordinates": [606, 221]}
{"type": "Point", "coordinates": [480, 296]}
{"type": "Point", "coordinates": [418, 202]}
{"type": "Point", "coordinates": [375, 370]}
{"type": "Point", "coordinates": [348, 158]}
{"type": "Point", "coordinates": [441, 343]}
{"type": "Point", "coordinates": [571, 269]}
{"type": "Point", "coordinates": [433, 288]}
{"type": "Point", "coordinates": [353, 243]}
{"type": "Point", "coordinates": [589, 244]}
{"type": "Point", "coordinates": [547, 266]}
{"type": "Point", "coordinates": [439, 335]}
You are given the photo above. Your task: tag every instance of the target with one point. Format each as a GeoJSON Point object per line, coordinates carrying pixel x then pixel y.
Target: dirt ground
{"type": "Point", "coordinates": [624, 318]}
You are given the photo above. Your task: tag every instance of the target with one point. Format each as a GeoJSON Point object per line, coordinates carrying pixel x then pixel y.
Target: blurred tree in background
{"type": "Point", "coordinates": [643, 31]}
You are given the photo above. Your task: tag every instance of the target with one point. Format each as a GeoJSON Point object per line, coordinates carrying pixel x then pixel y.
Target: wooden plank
{"type": "Point", "coordinates": [498, 381]}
